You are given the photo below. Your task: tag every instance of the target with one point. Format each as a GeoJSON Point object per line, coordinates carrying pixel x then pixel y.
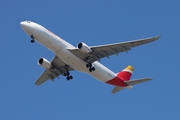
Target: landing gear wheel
{"type": "Point", "coordinates": [90, 69]}
{"type": "Point", "coordinates": [93, 68]}
{"type": "Point", "coordinates": [65, 74]}
{"type": "Point", "coordinates": [90, 64]}
{"type": "Point", "coordinates": [32, 41]}
{"type": "Point", "coordinates": [68, 78]}
{"type": "Point", "coordinates": [87, 65]}
{"type": "Point", "coordinates": [71, 77]}
{"type": "Point", "coordinates": [68, 73]}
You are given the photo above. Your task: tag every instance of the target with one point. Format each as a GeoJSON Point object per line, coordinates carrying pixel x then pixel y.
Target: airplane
{"type": "Point", "coordinates": [82, 58]}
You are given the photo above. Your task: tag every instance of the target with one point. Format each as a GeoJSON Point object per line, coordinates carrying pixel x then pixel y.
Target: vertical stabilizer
{"type": "Point", "coordinates": [126, 73]}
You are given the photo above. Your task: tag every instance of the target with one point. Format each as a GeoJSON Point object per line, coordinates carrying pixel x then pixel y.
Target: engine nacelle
{"type": "Point", "coordinates": [84, 48]}
{"type": "Point", "coordinates": [44, 63]}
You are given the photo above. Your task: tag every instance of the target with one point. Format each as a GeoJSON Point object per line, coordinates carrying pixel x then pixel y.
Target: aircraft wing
{"type": "Point", "coordinates": [59, 68]}
{"type": "Point", "coordinates": [107, 50]}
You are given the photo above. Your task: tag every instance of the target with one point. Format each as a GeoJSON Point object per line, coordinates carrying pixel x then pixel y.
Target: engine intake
{"type": "Point", "coordinates": [44, 63]}
{"type": "Point", "coordinates": [84, 48]}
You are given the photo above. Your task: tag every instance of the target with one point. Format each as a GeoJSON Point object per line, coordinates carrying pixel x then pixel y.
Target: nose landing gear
{"type": "Point", "coordinates": [32, 37]}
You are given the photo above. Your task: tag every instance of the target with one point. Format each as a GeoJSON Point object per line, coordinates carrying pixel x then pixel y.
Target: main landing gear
{"type": "Point", "coordinates": [68, 76]}
{"type": "Point", "coordinates": [91, 68]}
{"type": "Point", "coordinates": [32, 37]}
{"type": "Point", "coordinates": [89, 64]}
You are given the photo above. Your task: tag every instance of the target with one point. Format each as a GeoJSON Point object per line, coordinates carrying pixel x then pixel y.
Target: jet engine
{"type": "Point", "coordinates": [44, 63]}
{"type": "Point", "coordinates": [84, 48]}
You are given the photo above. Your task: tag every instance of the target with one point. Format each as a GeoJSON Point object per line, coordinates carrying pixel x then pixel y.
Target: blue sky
{"type": "Point", "coordinates": [94, 22]}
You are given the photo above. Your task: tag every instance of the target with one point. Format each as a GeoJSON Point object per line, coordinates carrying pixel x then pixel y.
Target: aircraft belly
{"type": "Point", "coordinates": [70, 59]}
{"type": "Point", "coordinates": [58, 46]}
{"type": "Point", "coordinates": [101, 72]}
{"type": "Point", "coordinates": [49, 40]}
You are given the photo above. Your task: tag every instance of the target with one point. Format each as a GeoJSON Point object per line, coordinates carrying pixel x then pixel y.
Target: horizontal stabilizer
{"type": "Point", "coordinates": [117, 89]}
{"type": "Point", "coordinates": [133, 82]}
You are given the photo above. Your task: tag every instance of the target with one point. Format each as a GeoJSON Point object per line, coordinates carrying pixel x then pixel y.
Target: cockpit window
{"type": "Point", "coordinates": [28, 21]}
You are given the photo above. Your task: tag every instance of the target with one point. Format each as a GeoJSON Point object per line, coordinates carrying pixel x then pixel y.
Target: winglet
{"type": "Point", "coordinates": [157, 37]}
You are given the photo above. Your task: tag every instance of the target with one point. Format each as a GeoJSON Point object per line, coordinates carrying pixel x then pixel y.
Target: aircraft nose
{"type": "Point", "coordinates": [26, 26]}
{"type": "Point", "coordinates": [23, 24]}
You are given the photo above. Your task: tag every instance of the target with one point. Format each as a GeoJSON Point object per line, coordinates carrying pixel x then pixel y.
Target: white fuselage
{"type": "Point", "coordinates": [60, 46]}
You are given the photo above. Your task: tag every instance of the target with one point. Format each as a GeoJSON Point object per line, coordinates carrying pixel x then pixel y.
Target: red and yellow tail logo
{"type": "Point", "coordinates": [126, 73]}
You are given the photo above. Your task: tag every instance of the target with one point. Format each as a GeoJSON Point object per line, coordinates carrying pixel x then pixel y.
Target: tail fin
{"type": "Point", "coordinates": [126, 73]}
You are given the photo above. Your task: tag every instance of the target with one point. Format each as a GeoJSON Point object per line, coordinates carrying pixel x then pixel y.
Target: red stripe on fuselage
{"type": "Point", "coordinates": [117, 82]}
